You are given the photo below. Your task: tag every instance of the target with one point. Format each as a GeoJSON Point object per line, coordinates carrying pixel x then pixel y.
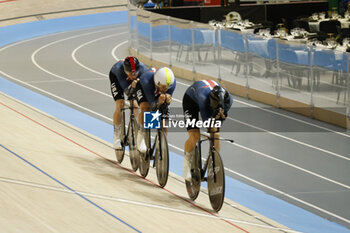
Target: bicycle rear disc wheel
{"type": "Point", "coordinates": [133, 152]}
{"type": "Point", "coordinates": [144, 162]}
{"type": "Point", "coordinates": [119, 153]}
{"type": "Point", "coordinates": [216, 181]}
{"type": "Point", "coordinates": [162, 162]}
{"type": "Point", "coordinates": [193, 186]}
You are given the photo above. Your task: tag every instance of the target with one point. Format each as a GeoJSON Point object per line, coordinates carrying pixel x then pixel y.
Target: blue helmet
{"type": "Point", "coordinates": [217, 97]}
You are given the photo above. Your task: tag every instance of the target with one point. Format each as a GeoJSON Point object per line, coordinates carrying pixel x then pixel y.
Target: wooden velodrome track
{"type": "Point", "coordinates": [46, 162]}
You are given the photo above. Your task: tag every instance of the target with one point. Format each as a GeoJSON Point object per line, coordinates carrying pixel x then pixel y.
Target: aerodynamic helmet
{"type": "Point", "coordinates": [131, 65]}
{"type": "Point", "coordinates": [164, 76]}
{"type": "Point", "coordinates": [217, 97]}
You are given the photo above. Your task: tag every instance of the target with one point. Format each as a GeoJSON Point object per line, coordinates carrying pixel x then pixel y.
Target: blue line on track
{"type": "Point", "coordinates": [70, 189]}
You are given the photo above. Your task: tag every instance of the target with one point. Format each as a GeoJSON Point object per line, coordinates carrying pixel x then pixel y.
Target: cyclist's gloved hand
{"type": "Point", "coordinates": [163, 108]}
{"type": "Point", "coordinates": [134, 83]}
{"type": "Point", "coordinates": [154, 107]}
{"type": "Point", "coordinates": [168, 98]}
{"type": "Point", "coordinates": [129, 91]}
{"type": "Point", "coordinates": [132, 88]}
{"type": "Point", "coordinates": [161, 99]}
{"type": "Point", "coordinates": [219, 114]}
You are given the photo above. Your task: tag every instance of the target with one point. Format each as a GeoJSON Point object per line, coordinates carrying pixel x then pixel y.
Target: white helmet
{"type": "Point", "coordinates": [164, 76]}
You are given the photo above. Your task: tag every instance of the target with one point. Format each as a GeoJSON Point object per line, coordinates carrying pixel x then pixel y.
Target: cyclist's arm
{"type": "Point", "coordinates": [171, 90]}
{"type": "Point", "coordinates": [129, 90]}
{"type": "Point", "coordinates": [204, 111]}
{"type": "Point", "coordinates": [122, 80]}
{"type": "Point", "coordinates": [201, 99]}
{"type": "Point", "coordinates": [227, 104]}
{"type": "Point", "coordinates": [148, 89]}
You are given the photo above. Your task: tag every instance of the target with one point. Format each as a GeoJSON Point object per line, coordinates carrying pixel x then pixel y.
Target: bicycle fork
{"type": "Point", "coordinates": [150, 147]}
{"type": "Point", "coordinates": [158, 140]}
{"type": "Point", "coordinates": [204, 169]}
{"type": "Point", "coordinates": [132, 118]}
{"type": "Point", "coordinates": [125, 133]}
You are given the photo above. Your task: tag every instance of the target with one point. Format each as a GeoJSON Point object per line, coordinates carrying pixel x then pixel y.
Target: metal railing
{"type": "Point", "coordinates": [296, 76]}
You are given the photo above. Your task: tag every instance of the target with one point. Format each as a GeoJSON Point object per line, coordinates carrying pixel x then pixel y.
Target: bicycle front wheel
{"type": "Point", "coordinates": [216, 180]}
{"type": "Point", "coordinates": [145, 157]}
{"type": "Point", "coordinates": [119, 153]}
{"type": "Point", "coordinates": [133, 152]}
{"type": "Point", "coordinates": [162, 159]}
{"type": "Point", "coordinates": [193, 186]}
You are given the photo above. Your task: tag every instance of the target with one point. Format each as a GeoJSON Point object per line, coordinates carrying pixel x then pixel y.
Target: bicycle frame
{"type": "Point", "coordinates": [157, 151]}
{"type": "Point", "coordinates": [152, 146]}
{"type": "Point", "coordinates": [132, 116]}
{"type": "Point", "coordinates": [211, 140]}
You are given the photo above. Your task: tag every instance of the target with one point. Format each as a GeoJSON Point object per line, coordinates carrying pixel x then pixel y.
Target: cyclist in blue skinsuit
{"type": "Point", "coordinates": [211, 100]}
{"type": "Point", "coordinates": [155, 88]}
{"type": "Point", "coordinates": [121, 76]}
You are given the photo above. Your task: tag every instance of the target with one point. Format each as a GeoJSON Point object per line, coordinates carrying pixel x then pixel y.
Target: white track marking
{"type": "Point", "coordinates": [61, 77]}
{"type": "Point", "coordinates": [291, 139]}
{"type": "Point", "coordinates": [111, 198]}
{"type": "Point", "coordinates": [293, 118]}
{"type": "Point", "coordinates": [292, 165]}
{"type": "Point", "coordinates": [113, 54]}
{"type": "Point", "coordinates": [44, 36]}
{"type": "Point", "coordinates": [60, 80]}
{"type": "Point", "coordinates": [87, 43]}
{"type": "Point", "coordinates": [290, 196]}
{"type": "Point", "coordinates": [55, 96]}
{"type": "Point", "coordinates": [115, 49]}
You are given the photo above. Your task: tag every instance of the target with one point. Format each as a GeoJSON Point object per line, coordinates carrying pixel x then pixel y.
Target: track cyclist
{"type": "Point", "coordinates": [211, 100]}
{"type": "Point", "coordinates": [156, 88]}
{"type": "Point", "coordinates": [121, 76]}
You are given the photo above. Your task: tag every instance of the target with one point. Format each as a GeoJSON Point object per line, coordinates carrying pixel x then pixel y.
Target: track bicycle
{"type": "Point", "coordinates": [129, 139]}
{"type": "Point", "coordinates": [157, 151]}
{"type": "Point", "coordinates": [212, 172]}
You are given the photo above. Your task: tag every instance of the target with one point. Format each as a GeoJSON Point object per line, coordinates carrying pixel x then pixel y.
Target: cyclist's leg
{"type": "Point", "coordinates": [144, 107]}
{"type": "Point", "coordinates": [193, 138]}
{"type": "Point", "coordinates": [190, 145]}
{"type": "Point", "coordinates": [117, 120]}
{"type": "Point", "coordinates": [117, 116]}
{"type": "Point", "coordinates": [142, 102]}
{"type": "Point", "coordinates": [118, 96]}
{"type": "Point", "coordinates": [191, 112]}
{"type": "Point", "coordinates": [141, 145]}
{"type": "Point", "coordinates": [136, 108]}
